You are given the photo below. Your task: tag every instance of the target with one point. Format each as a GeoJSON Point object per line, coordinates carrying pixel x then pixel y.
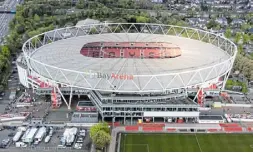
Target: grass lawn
{"type": "Point", "coordinates": [186, 142]}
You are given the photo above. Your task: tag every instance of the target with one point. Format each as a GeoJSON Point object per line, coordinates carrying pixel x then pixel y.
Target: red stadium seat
{"type": "Point", "coordinates": [171, 130]}
{"type": "Point", "coordinates": [132, 53]}
{"type": "Point", "coordinates": [232, 129]}
{"type": "Point", "coordinates": [111, 53]}
{"type": "Point", "coordinates": [130, 50]}
{"type": "Point", "coordinates": [132, 128]}
{"type": "Point", "coordinates": [229, 125]}
{"type": "Point", "coordinates": [152, 128]}
{"type": "Point", "coordinates": [152, 124]}
{"type": "Point", "coordinates": [212, 130]}
{"type": "Point", "coordinates": [114, 124]}
{"type": "Point", "coordinates": [152, 53]}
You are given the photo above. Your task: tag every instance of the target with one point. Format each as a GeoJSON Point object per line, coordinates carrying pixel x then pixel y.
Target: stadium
{"type": "Point", "coordinates": [129, 71]}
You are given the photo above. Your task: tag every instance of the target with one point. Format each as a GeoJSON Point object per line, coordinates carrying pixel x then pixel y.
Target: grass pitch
{"type": "Point", "coordinates": [186, 142]}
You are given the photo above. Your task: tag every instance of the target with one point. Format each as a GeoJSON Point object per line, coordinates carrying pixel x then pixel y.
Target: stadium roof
{"type": "Point", "coordinates": [87, 21]}
{"type": "Point", "coordinates": [200, 62]}
{"type": "Point", "coordinates": [65, 54]}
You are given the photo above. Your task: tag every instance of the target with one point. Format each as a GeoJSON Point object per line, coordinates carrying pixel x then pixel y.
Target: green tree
{"type": "Point", "coordinates": [228, 33]}
{"type": "Point", "coordinates": [211, 24]}
{"type": "Point", "coordinates": [245, 26]}
{"type": "Point", "coordinates": [103, 126]}
{"type": "Point", "coordinates": [5, 51]}
{"type": "Point", "coordinates": [1, 88]}
{"type": "Point", "coordinates": [80, 4]}
{"type": "Point", "coordinates": [246, 38]}
{"type": "Point", "coordinates": [3, 62]}
{"type": "Point", "coordinates": [100, 134]}
{"type": "Point", "coordinates": [238, 37]}
{"type": "Point", "coordinates": [36, 18]}
{"type": "Point", "coordinates": [142, 19]}
{"type": "Point", "coordinates": [101, 139]}
{"type": "Point", "coordinates": [240, 49]}
{"type": "Point", "coordinates": [251, 37]}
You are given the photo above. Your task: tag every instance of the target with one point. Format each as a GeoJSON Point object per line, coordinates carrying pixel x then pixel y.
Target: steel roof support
{"type": "Point", "coordinates": [70, 98]}
{"type": "Point", "coordinates": [58, 89]}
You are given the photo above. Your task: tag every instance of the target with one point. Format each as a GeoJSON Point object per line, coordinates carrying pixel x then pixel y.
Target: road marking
{"type": "Point", "coordinates": [198, 142]}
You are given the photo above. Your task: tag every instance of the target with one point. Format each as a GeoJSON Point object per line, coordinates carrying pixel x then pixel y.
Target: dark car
{"type": "Point", "coordinates": [11, 135]}
{"type": "Point", "coordinates": [2, 146]}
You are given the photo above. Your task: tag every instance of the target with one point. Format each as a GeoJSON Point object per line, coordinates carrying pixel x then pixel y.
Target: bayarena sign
{"type": "Point", "coordinates": [100, 75]}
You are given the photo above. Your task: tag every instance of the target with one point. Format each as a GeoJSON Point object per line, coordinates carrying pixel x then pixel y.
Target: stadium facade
{"type": "Point", "coordinates": [129, 70]}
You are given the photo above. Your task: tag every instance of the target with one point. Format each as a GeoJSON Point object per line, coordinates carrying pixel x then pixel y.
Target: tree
{"type": "Point", "coordinates": [246, 38]}
{"type": "Point", "coordinates": [5, 51]}
{"type": "Point", "coordinates": [1, 88]}
{"type": "Point", "coordinates": [100, 134]}
{"type": "Point", "coordinates": [211, 24]}
{"type": "Point", "coordinates": [240, 49]}
{"type": "Point", "coordinates": [228, 33]}
{"type": "Point", "coordinates": [80, 4]}
{"type": "Point", "coordinates": [101, 139]}
{"type": "Point", "coordinates": [238, 37]}
{"type": "Point", "coordinates": [251, 37]}
{"type": "Point", "coordinates": [36, 18]}
{"type": "Point", "coordinates": [103, 126]}
{"type": "Point", "coordinates": [245, 26]}
{"type": "Point", "coordinates": [142, 19]}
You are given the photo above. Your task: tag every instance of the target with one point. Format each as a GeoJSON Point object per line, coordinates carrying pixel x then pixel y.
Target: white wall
{"type": "Point", "coordinates": [22, 73]}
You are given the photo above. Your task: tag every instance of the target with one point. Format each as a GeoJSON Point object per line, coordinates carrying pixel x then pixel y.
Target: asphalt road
{"type": "Point", "coordinates": [6, 18]}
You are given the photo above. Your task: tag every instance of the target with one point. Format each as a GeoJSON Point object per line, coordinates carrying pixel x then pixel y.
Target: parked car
{"type": "Point", "coordinates": [78, 145]}
{"type": "Point", "coordinates": [79, 140]}
{"type": "Point", "coordinates": [47, 139]}
{"type": "Point", "coordinates": [11, 135]}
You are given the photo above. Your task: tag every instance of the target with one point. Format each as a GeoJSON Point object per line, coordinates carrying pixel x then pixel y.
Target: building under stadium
{"type": "Point", "coordinates": [129, 70]}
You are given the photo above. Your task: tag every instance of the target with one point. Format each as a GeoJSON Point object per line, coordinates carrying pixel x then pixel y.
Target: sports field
{"type": "Point", "coordinates": [186, 142]}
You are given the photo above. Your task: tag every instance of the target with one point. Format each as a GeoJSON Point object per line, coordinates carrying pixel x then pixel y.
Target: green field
{"type": "Point", "coordinates": [186, 142]}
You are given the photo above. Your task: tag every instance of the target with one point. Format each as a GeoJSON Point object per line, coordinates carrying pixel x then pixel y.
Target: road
{"type": "Point", "coordinates": [4, 29]}
{"type": "Point", "coordinates": [6, 18]}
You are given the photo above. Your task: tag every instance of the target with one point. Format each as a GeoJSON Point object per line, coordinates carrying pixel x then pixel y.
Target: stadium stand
{"type": "Point", "coordinates": [132, 53]}
{"type": "Point", "coordinates": [171, 130]}
{"type": "Point", "coordinates": [114, 124]}
{"type": "Point", "coordinates": [152, 128]}
{"type": "Point", "coordinates": [130, 50]}
{"type": "Point", "coordinates": [132, 128]}
{"type": "Point", "coordinates": [231, 127]}
{"type": "Point", "coordinates": [152, 124]}
{"type": "Point", "coordinates": [212, 130]}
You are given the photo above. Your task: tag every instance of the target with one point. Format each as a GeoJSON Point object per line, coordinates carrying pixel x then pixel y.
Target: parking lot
{"type": "Point", "coordinates": [51, 146]}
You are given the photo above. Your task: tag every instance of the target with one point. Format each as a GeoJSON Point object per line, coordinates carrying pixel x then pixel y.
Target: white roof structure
{"type": "Point", "coordinates": [87, 21]}
{"type": "Point", "coordinates": [205, 58]}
